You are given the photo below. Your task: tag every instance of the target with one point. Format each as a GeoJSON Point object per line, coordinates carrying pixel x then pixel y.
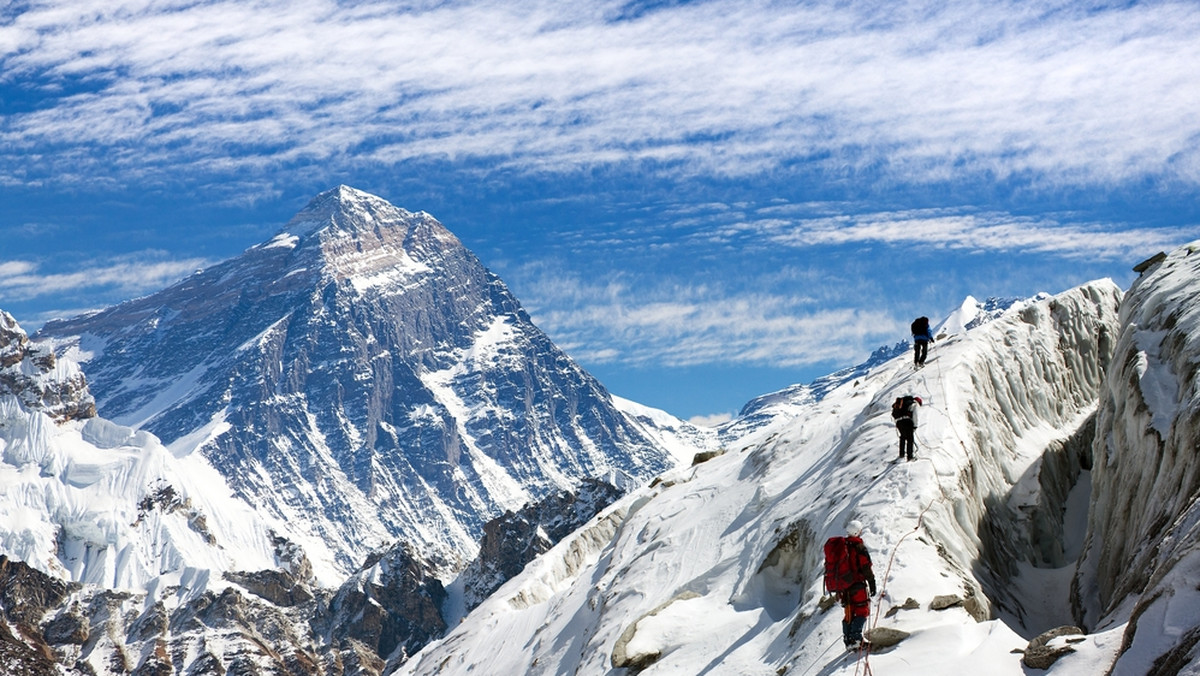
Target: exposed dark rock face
{"type": "Point", "coordinates": [277, 586]}
{"type": "Point", "coordinates": [26, 595]}
{"type": "Point", "coordinates": [392, 607]}
{"type": "Point", "coordinates": [515, 538]}
{"type": "Point", "coordinates": [1039, 654]}
{"type": "Point", "coordinates": [31, 373]}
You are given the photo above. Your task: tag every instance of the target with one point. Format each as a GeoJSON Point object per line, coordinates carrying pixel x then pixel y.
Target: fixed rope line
{"type": "Point", "coordinates": [818, 658]}
{"type": "Point", "coordinates": [865, 655]}
{"type": "Point", "coordinates": [863, 665]}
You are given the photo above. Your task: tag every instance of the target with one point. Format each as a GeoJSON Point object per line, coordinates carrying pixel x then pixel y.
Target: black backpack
{"type": "Point", "coordinates": [920, 326]}
{"type": "Point", "coordinates": [901, 407]}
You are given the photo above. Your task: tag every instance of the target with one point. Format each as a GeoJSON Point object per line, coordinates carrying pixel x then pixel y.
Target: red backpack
{"type": "Point", "coordinates": [841, 568]}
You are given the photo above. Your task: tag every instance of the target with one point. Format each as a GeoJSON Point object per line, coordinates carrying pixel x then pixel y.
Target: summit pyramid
{"type": "Point", "coordinates": [363, 379]}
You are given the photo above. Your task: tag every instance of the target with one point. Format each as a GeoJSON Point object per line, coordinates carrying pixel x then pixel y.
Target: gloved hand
{"type": "Point", "coordinates": [871, 586]}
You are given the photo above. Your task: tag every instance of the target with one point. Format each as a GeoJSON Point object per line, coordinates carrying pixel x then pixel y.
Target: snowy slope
{"type": "Point", "coordinates": [680, 438]}
{"type": "Point", "coordinates": [102, 504]}
{"type": "Point", "coordinates": [714, 569]}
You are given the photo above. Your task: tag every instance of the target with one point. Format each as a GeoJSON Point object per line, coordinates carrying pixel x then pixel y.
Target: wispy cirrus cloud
{"type": "Point", "coordinates": [132, 274]}
{"type": "Point", "coordinates": [962, 230]}
{"type": "Point", "coordinates": [749, 226]}
{"type": "Point", "coordinates": [1059, 93]}
{"type": "Point", "coordinates": [679, 326]}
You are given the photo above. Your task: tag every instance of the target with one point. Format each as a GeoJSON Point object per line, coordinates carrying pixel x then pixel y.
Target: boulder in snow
{"type": "Point", "coordinates": [885, 637]}
{"type": "Point", "coordinates": [1041, 653]}
{"type": "Point", "coordinates": [944, 601]}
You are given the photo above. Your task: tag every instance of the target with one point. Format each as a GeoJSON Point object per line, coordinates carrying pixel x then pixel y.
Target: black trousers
{"type": "Point", "coordinates": [920, 351]}
{"type": "Point", "coordinates": [908, 442]}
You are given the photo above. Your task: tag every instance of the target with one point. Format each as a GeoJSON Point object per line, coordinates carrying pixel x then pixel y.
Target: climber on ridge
{"type": "Point", "coordinates": [922, 336]}
{"type": "Point", "coordinates": [848, 574]}
{"type": "Point", "coordinates": [904, 412]}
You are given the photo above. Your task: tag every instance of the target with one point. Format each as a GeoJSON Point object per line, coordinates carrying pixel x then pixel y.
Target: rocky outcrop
{"type": "Point", "coordinates": [1043, 651]}
{"type": "Point", "coordinates": [26, 595]}
{"type": "Point", "coordinates": [37, 378]}
{"type": "Point", "coordinates": [514, 539]}
{"type": "Point", "coordinates": [391, 607]}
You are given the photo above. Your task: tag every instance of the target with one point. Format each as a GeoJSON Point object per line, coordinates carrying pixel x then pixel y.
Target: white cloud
{"type": "Point", "coordinates": [713, 420]}
{"type": "Point", "coordinates": [10, 269]}
{"type": "Point", "coordinates": [679, 326]}
{"type": "Point", "coordinates": [811, 225]}
{"type": "Point", "coordinates": [1062, 92]}
{"type": "Point", "coordinates": [129, 275]}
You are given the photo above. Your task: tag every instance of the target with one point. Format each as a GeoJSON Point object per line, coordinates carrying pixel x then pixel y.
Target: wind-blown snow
{"type": "Point", "coordinates": [714, 569]}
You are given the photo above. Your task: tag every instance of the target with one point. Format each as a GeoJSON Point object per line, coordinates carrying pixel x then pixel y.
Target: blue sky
{"type": "Point", "coordinates": [700, 201]}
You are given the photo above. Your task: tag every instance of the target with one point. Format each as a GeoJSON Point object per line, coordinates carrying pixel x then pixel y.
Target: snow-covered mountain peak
{"type": "Point", "coordinates": [342, 204]}
{"type": "Point", "coordinates": [364, 379]}
{"type": "Point", "coordinates": [349, 209]}
{"type": "Point", "coordinates": [973, 313]}
{"type": "Point", "coordinates": [356, 236]}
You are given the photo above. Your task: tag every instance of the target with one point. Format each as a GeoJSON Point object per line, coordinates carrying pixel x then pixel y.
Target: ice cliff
{"type": "Point", "coordinates": [1141, 564]}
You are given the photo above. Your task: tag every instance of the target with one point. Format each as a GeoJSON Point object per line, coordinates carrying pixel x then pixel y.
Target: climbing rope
{"type": "Point", "coordinates": [863, 664]}
{"type": "Point", "coordinates": [865, 655]}
{"type": "Point", "coordinates": [817, 659]}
